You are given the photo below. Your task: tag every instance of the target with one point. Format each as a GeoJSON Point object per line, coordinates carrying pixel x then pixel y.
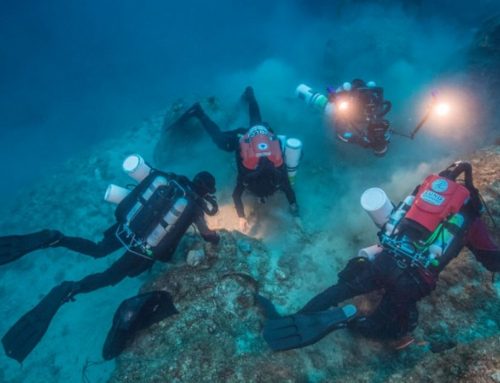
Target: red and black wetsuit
{"type": "Point", "coordinates": [404, 286]}
{"type": "Point", "coordinates": [266, 179]}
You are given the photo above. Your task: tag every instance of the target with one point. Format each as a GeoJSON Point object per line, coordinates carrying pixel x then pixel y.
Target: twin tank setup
{"type": "Point", "coordinates": [138, 169]}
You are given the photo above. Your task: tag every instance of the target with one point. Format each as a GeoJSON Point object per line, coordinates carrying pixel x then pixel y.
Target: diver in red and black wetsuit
{"type": "Point", "coordinates": [423, 234]}
{"type": "Point", "coordinates": [259, 156]}
{"type": "Point", "coordinates": [408, 275]}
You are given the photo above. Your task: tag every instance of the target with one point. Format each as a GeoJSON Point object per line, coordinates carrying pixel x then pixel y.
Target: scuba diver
{"type": "Point", "coordinates": [261, 161]}
{"type": "Point", "coordinates": [151, 220]}
{"type": "Point", "coordinates": [417, 240]}
{"type": "Point", "coordinates": [357, 110]}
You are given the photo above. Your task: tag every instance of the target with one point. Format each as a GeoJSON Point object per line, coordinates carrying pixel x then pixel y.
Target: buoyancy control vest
{"type": "Point", "coordinates": [150, 212]}
{"type": "Point", "coordinates": [259, 143]}
{"type": "Point", "coordinates": [426, 227]}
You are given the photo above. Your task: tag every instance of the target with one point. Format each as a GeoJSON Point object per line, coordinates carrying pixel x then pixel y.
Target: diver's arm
{"type": "Point", "coordinates": [480, 243]}
{"type": "Point", "coordinates": [237, 194]}
{"type": "Point", "coordinates": [207, 234]}
{"type": "Point", "coordinates": [286, 187]}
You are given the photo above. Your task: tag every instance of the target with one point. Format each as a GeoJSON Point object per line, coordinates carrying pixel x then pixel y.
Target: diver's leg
{"type": "Point", "coordinates": [391, 320]}
{"type": "Point", "coordinates": [13, 247]}
{"type": "Point", "coordinates": [224, 140]}
{"type": "Point", "coordinates": [396, 315]}
{"type": "Point", "coordinates": [106, 246]}
{"type": "Point", "coordinates": [357, 278]}
{"type": "Point", "coordinates": [129, 265]}
{"type": "Point", "coordinates": [253, 107]}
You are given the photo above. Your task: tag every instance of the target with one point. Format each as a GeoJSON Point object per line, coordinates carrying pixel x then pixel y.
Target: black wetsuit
{"type": "Point", "coordinates": [397, 314]}
{"type": "Point", "coordinates": [129, 264]}
{"type": "Point", "coordinates": [261, 182]}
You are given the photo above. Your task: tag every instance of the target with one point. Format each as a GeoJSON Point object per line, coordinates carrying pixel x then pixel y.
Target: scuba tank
{"type": "Point", "coordinates": [398, 214]}
{"type": "Point", "coordinates": [166, 224]}
{"type": "Point", "coordinates": [147, 213]}
{"type": "Point", "coordinates": [445, 238]}
{"type": "Point", "coordinates": [293, 154]}
{"type": "Point", "coordinates": [143, 198]}
{"type": "Point", "coordinates": [378, 206]}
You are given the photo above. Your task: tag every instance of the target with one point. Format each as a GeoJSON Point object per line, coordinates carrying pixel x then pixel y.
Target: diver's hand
{"type": "Point", "coordinates": [243, 225]}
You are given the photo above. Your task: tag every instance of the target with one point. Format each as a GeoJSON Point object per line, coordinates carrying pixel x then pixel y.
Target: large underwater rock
{"type": "Point", "coordinates": [216, 337]}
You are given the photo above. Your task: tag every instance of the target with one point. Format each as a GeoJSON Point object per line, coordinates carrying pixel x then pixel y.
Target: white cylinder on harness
{"type": "Point", "coordinates": [310, 97]}
{"type": "Point", "coordinates": [170, 219]}
{"type": "Point", "coordinates": [115, 194]}
{"type": "Point", "coordinates": [370, 252]}
{"type": "Point", "coordinates": [135, 166]}
{"type": "Point", "coordinates": [378, 206]}
{"type": "Point", "coordinates": [293, 152]}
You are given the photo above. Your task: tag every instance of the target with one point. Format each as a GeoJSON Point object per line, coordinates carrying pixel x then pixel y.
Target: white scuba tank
{"type": "Point", "coordinates": [312, 98]}
{"type": "Point", "coordinates": [370, 252]}
{"type": "Point", "coordinates": [293, 153]}
{"type": "Point", "coordinates": [146, 195]}
{"type": "Point", "coordinates": [398, 214]}
{"type": "Point", "coordinates": [378, 206]}
{"type": "Point", "coordinates": [115, 194]}
{"type": "Point", "coordinates": [170, 219]}
{"type": "Point", "coordinates": [135, 166]}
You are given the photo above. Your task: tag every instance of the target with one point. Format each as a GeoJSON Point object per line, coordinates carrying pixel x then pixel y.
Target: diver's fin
{"type": "Point", "coordinates": [135, 314]}
{"type": "Point", "coordinates": [25, 334]}
{"type": "Point", "coordinates": [194, 110]}
{"type": "Point", "coordinates": [267, 307]}
{"type": "Point", "coordinates": [15, 246]}
{"type": "Point", "coordinates": [303, 329]}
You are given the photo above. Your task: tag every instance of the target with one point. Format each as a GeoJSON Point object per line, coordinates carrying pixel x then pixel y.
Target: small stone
{"type": "Point", "coordinates": [195, 257]}
{"type": "Point", "coordinates": [280, 275]}
{"type": "Point", "coordinates": [211, 327]}
{"type": "Point", "coordinates": [496, 376]}
{"type": "Point", "coordinates": [244, 246]}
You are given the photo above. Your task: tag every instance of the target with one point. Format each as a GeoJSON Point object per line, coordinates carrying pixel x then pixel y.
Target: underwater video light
{"type": "Point", "coordinates": [442, 109]}
{"type": "Point", "coordinates": [343, 105]}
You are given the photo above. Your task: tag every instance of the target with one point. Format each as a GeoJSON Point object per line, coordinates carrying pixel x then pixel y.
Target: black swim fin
{"type": "Point", "coordinates": [303, 329]}
{"type": "Point", "coordinates": [13, 247]}
{"type": "Point", "coordinates": [22, 338]}
{"type": "Point", "coordinates": [267, 307]}
{"type": "Point", "coordinates": [135, 314]}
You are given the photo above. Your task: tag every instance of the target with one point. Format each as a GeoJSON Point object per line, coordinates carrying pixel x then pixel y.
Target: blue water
{"type": "Point", "coordinates": [76, 74]}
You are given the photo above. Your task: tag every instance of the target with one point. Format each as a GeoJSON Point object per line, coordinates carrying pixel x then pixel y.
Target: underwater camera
{"type": "Point", "coordinates": [357, 113]}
